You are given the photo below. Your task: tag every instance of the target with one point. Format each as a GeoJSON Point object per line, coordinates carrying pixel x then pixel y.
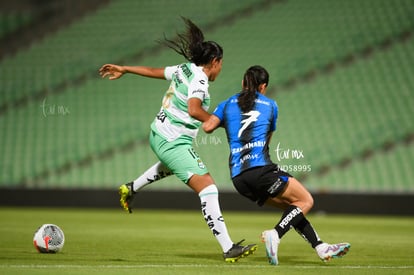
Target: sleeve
{"type": "Point", "coordinates": [198, 89]}
{"type": "Point", "coordinates": [169, 71]}
{"type": "Point", "coordinates": [219, 111]}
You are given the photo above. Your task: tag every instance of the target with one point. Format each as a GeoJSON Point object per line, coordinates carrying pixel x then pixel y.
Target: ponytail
{"type": "Point", "coordinates": [192, 46]}
{"type": "Point", "coordinates": [253, 77]}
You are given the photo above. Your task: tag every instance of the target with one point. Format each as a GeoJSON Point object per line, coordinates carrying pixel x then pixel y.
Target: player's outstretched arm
{"type": "Point", "coordinates": [116, 71]}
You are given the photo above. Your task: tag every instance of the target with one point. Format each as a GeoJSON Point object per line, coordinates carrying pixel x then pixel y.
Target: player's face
{"type": "Point", "coordinates": [215, 69]}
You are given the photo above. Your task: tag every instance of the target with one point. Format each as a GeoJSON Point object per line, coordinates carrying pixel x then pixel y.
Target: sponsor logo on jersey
{"type": "Point", "coordinates": [249, 145]}
{"type": "Point", "coordinates": [186, 70]}
{"type": "Point", "coordinates": [249, 157]}
{"type": "Point", "coordinates": [161, 116]}
{"type": "Point", "coordinates": [199, 92]}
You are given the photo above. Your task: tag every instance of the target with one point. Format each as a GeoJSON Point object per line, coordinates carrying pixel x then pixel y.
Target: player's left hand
{"type": "Point", "coordinates": [111, 70]}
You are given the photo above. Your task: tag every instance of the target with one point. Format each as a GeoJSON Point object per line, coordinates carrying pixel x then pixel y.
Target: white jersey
{"type": "Point", "coordinates": [173, 120]}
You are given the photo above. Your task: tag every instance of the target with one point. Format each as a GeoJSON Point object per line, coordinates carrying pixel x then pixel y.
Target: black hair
{"type": "Point", "coordinates": [192, 46]}
{"type": "Point", "coordinates": [253, 77]}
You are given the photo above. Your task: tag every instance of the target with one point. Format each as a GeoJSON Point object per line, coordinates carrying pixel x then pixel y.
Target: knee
{"type": "Point", "coordinates": [307, 204]}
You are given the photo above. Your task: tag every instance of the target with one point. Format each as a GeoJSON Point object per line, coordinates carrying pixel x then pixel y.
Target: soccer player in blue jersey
{"type": "Point", "coordinates": [249, 119]}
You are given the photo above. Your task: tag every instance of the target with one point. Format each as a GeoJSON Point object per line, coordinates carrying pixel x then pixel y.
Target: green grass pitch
{"type": "Point", "coordinates": [109, 241]}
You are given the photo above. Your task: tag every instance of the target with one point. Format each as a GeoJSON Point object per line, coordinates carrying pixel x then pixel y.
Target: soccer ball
{"type": "Point", "coordinates": [49, 238]}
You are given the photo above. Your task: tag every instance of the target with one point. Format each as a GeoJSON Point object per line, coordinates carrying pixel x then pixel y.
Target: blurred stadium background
{"type": "Point", "coordinates": [342, 73]}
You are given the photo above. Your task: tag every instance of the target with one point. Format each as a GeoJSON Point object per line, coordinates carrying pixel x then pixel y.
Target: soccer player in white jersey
{"type": "Point", "coordinates": [249, 118]}
{"type": "Point", "coordinates": [184, 108]}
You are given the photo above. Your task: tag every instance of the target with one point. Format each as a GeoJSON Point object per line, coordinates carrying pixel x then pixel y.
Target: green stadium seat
{"type": "Point", "coordinates": [333, 116]}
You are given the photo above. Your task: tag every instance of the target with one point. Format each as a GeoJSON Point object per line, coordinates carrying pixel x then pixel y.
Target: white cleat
{"type": "Point", "coordinates": [271, 240]}
{"type": "Point", "coordinates": [328, 251]}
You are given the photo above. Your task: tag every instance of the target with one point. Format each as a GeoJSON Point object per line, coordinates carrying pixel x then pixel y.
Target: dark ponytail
{"type": "Point", "coordinates": [253, 77]}
{"type": "Point", "coordinates": [192, 46]}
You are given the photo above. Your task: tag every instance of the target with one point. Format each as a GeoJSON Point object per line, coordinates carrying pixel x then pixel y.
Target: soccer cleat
{"type": "Point", "coordinates": [238, 251]}
{"type": "Point", "coordinates": [126, 193]}
{"type": "Point", "coordinates": [328, 251]}
{"type": "Point", "coordinates": [271, 240]}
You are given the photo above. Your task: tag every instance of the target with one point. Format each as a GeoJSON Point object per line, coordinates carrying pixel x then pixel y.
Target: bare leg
{"type": "Point", "coordinates": [294, 194]}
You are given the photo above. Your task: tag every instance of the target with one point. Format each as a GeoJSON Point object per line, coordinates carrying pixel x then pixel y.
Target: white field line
{"type": "Point", "coordinates": [370, 267]}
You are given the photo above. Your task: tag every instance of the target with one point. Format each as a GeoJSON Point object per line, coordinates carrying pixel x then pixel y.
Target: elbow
{"type": "Point", "coordinates": [198, 114]}
{"type": "Point", "coordinates": [192, 112]}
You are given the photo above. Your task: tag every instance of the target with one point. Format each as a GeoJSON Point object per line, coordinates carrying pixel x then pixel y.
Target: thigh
{"type": "Point", "coordinates": [295, 194]}
{"type": "Point", "coordinates": [179, 156]}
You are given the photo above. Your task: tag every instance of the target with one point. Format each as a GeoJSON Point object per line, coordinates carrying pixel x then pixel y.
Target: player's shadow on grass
{"type": "Point", "coordinates": [256, 258]}
{"type": "Point", "coordinates": [208, 256]}
{"type": "Point", "coordinates": [118, 260]}
{"type": "Point", "coordinates": [292, 260]}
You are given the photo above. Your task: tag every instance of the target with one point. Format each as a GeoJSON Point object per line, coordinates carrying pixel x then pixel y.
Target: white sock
{"type": "Point", "coordinates": [154, 173]}
{"type": "Point", "coordinates": [212, 214]}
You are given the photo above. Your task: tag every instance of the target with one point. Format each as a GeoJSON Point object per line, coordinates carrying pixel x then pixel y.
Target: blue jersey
{"type": "Point", "coordinates": [248, 133]}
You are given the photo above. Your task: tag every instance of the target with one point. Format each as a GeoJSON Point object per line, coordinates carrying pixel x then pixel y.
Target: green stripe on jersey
{"type": "Point", "coordinates": [180, 103]}
{"type": "Point", "coordinates": [194, 124]}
